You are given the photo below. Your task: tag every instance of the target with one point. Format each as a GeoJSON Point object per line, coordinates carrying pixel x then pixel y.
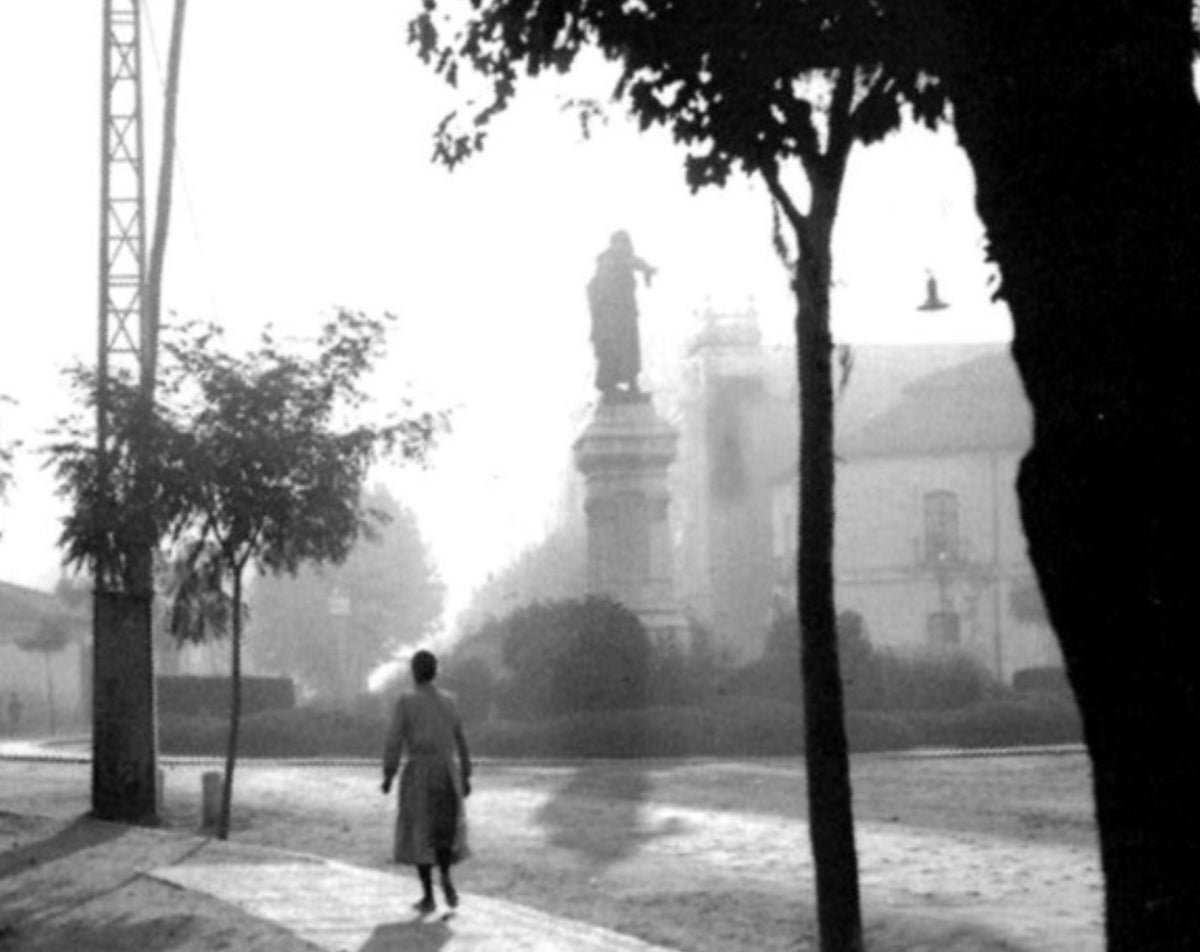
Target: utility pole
{"type": "Point", "coordinates": [124, 730]}
{"type": "Point", "coordinates": [124, 726]}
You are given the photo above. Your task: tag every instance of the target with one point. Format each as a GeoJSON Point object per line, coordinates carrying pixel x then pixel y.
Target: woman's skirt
{"type": "Point", "coordinates": [432, 819]}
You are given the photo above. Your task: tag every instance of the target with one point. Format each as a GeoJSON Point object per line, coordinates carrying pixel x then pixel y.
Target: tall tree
{"type": "Point", "coordinates": [732, 85]}
{"type": "Point", "coordinates": [259, 462]}
{"type": "Point", "coordinates": [1081, 122]}
{"type": "Point", "coordinates": [392, 596]}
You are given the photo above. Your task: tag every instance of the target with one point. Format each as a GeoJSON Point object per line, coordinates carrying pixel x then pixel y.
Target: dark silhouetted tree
{"type": "Point", "coordinates": [1082, 125]}
{"type": "Point", "coordinates": [760, 88]}
{"type": "Point", "coordinates": [1081, 121]}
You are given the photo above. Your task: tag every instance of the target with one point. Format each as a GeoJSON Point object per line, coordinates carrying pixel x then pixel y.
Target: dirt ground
{"type": "Point", "coordinates": [955, 854]}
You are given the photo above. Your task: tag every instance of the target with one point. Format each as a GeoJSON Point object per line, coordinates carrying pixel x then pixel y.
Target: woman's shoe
{"type": "Point", "coordinates": [425, 906]}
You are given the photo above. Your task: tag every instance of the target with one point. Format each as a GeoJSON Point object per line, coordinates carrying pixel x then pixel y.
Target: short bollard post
{"type": "Point", "coordinates": [210, 783]}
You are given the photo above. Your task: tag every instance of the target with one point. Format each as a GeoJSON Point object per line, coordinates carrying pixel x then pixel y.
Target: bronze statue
{"type": "Point", "coordinates": [613, 303]}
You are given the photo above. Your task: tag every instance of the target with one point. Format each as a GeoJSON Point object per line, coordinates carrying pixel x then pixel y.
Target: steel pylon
{"type": "Point", "coordinates": [124, 734]}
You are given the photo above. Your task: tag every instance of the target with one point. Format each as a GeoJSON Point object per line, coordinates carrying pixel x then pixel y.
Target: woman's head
{"type": "Point", "coordinates": [424, 667]}
{"type": "Point", "coordinates": [621, 243]}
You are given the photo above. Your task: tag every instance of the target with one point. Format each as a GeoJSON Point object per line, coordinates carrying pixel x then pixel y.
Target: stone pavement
{"type": "Point", "coordinates": [83, 885]}
{"type": "Point", "coordinates": [345, 908]}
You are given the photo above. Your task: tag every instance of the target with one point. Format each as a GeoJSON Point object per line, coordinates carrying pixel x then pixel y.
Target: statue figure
{"type": "Point", "coordinates": [613, 304]}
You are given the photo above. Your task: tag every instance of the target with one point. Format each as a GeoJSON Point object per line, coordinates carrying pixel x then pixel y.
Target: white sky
{"type": "Point", "coordinates": [305, 182]}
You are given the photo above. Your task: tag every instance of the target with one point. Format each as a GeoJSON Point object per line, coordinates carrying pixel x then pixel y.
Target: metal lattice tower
{"type": "Point", "coordinates": [122, 200]}
{"type": "Point", "coordinates": [124, 733]}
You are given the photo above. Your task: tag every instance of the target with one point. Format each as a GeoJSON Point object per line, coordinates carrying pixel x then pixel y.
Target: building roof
{"type": "Point", "coordinates": [21, 608]}
{"type": "Point", "coordinates": [975, 406]}
{"type": "Point", "coordinates": [882, 380]}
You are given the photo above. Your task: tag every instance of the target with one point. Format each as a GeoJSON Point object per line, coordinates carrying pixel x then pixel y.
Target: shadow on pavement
{"type": "Point", "coordinates": [82, 834]}
{"type": "Point", "coordinates": [599, 813]}
{"type": "Point", "coordinates": [409, 937]}
{"type": "Point", "coordinates": [158, 935]}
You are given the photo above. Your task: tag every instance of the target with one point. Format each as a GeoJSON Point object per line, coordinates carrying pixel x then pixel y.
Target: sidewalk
{"type": "Point", "coordinates": [87, 885]}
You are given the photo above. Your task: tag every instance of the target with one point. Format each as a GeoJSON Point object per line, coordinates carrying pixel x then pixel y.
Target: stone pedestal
{"type": "Point", "coordinates": [624, 455]}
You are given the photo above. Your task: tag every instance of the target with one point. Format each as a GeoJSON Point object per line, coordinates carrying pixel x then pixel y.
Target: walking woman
{"type": "Point", "coordinates": [431, 826]}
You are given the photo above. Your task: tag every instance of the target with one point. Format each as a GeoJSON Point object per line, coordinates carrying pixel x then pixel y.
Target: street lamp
{"type": "Point", "coordinates": [339, 610]}
{"type": "Point", "coordinates": [932, 301]}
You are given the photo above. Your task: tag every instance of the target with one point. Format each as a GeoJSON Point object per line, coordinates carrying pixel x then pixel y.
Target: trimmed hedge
{"type": "Point", "coordinates": [1052, 680]}
{"type": "Point", "coordinates": [196, 696]}
{"type": "Point", "coordinates": [300, 732]}
{"type": "Point", "coordinates": [737, 727]}
{"type": "Point", "coordinates": [1009, 723]}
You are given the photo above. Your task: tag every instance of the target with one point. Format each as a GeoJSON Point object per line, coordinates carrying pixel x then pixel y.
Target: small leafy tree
{"type": "Point", "coordinates": [259, 462]}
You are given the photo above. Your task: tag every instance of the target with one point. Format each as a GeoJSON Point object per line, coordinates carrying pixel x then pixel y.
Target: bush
{"type": "Point", "coordinates": [1003, 723]}
{"type": "Point", "coordinates": [738, 727]}
{"type": "Point", "coordinates": [192, 695]}
{"type": "Point", "coordinates": [1046, 680]}
{"type": "Point", "coordinates": [872, 679]}
{"type": "Point", "coordinates": [572, 655]}
{"type": "Point", "coordinates": [929, 681]}
{"type": "Point", "coordinates": [299, 732]}
{"type": "Point", "coordinates": [732, 727]}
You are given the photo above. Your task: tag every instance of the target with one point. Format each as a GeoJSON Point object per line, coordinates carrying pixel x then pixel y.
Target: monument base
{"type": "Point", "coordinates": [624, 455]}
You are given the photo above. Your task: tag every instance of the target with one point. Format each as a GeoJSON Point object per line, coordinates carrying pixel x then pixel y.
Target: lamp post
{"type": "Point", "coordinates": [339, 611]}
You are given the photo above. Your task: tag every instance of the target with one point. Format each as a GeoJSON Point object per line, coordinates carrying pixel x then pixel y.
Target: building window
{"type": "Point", "coordinates": [941, 527]}
{"type": "Point", "coordinates": [944, 629]}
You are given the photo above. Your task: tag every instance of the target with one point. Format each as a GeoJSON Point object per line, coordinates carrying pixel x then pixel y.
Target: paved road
{"type": "Point", "coordinates": [714, 855]}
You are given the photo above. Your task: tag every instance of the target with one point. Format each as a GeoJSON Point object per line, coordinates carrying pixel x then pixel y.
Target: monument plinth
{"type": "Point", "coordinates": [624, 455]}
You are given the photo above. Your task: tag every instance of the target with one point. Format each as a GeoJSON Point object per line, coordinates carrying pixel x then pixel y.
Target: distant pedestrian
{"type": "Point", "coordinates": [431, 825]}
{"type": "Point", "coordinates": [15, 709]}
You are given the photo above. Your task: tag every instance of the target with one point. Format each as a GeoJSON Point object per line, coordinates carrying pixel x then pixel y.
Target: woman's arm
{"type": "Point", "coordinates": [394, 746]}
{"type": "Point", "coordinates": [464, 757]}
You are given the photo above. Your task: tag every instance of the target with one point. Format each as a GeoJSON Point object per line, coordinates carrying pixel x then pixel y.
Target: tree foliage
{"type": "Point", "coordinates": [732, 81]}
{"type": "Point", "coordinates": [573, 655]}
{"type": "Point", "coordinates": [1080, 119]}
{"type": "Point", "coordinates": [750, 87]}
{"type": "Point", "coordinates": [255, 461]}
{"type": "Point", "coordinates": [393, 598]}
{"type": "Point", "coordinates": [259, 456]}
{"type": "Point", "coordinates": [552, 569]}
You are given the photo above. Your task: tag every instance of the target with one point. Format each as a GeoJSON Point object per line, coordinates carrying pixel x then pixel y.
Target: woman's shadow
{"type": "Point", "coordinates": [599, 813]}
{"type": "Point", "coordinates": [418, 935]}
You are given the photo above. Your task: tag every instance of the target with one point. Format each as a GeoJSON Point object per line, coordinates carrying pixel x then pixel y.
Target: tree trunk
{"type": "Point", "coordinates": [235, 708]}
{"type": "Point", "coordinates": [831, 821]}
{"type": "Point", "coordinates": [1084, 132]}
{"type": "Point", "coordinates": [124, 732]}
